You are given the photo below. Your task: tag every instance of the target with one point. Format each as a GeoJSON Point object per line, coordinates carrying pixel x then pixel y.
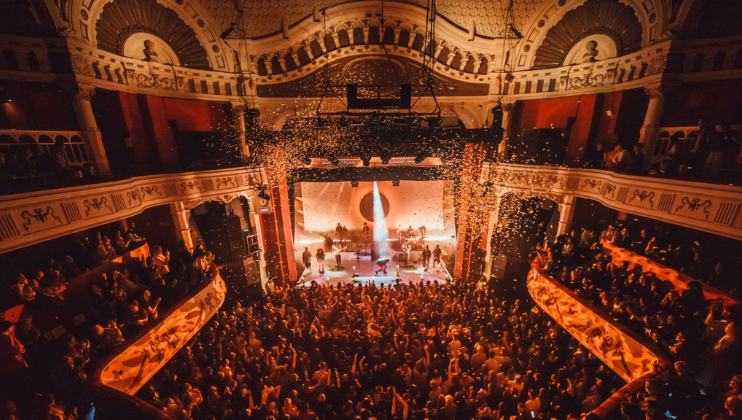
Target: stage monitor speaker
{"type": "Point", "coordinates": [234, 235]}
{"type": "Point", "coordinates": [539, 146]}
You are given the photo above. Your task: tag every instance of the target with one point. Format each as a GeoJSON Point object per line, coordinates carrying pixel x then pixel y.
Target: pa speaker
{"type": "Point", "coordinates": [235, 241]}
{"type": "Point", "coordinates": [539, 146]}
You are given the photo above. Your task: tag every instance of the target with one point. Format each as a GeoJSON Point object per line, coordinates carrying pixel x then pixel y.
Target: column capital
{"type": "Point", "coordinates": [508, 106]}
{"type": "Point", "coordinates": [84, 93]}
{"type": "Point", "coordinates": [658, 92]}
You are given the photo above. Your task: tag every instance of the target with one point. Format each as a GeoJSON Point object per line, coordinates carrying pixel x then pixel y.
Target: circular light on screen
{"type": "Point", "coordinates": [367, 206]}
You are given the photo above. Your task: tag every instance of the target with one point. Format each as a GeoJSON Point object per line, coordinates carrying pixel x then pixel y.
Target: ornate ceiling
{"type": "Point", "coordinates": [477, 37]}
{"type": "Point", "coordinates": [263, 17]}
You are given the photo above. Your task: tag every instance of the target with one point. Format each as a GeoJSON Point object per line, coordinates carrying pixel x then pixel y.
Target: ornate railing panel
{"type": "Point", "coordinates": [620, 349]}
{"type": "Point", "coordinates": [128, 371]}
{"type": "Point", "coordinates": [707, 207]}
{"type": "Point", "coordinates": [677, 279]}
{"type": "Point", "coordinates": [11, 141]}
{"type": "Point", "coordinates": [30, 218]}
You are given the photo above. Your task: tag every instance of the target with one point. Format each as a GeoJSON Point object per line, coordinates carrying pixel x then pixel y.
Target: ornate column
{"type": "Point", "coordinates": [397, 31]}
{"type": "Point", "coordinates": [651, 128]}
{"type": "Point", "coordinates": [238, 113]}
{"type": "Point", "coordinates": [566, 214]}
{"type": "Point", "coordinates": [181, 220]}
{"type": "Point", "coordinates": [89, 130]}
{"type": "Point", "coordinates": [507, 117]}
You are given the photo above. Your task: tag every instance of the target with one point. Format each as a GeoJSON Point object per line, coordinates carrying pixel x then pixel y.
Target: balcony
{"type": "Point", "coordinates": [30, 218]}
{"type": "Point", "coordinates": [707, 207]}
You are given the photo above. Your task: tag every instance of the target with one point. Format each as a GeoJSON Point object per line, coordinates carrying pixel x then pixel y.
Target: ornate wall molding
{"type": "Point", "coordinates": [30, 218]}
{"type": "Point", "coordinates": [706, 207]}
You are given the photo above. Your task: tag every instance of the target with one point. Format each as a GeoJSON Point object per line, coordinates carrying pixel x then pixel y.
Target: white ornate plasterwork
{"type": "Point", "coordinates": [652, 15]}
{"type": "Point", "coordinates": [85, 14]}
{"type": "Point", "coordinates": [30, 218]}
{"type": "Point", "coordinates": [708, 207]}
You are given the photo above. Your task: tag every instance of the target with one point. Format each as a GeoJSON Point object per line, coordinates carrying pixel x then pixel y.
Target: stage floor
{"type": "Point", "coordinates": [365, 272]}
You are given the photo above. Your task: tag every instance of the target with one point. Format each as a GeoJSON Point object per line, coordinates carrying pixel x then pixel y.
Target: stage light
{"type": "Point", "coordinates": [419, 157]}
{"type": "Point", "coordinates": [385, 156]}
{"type": "Point", "coordinates": [354, 184]}
{"type": "Point", "coordinates": [395, 183]}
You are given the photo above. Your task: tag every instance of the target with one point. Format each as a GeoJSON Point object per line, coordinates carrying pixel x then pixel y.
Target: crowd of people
{"type": "Point", "coordinates": [401, 351]}
{"type": "Point", "coordinates": [42, 376]}
{"type": "Point", "coordinates": [33, 168]}
{"type": "Point", "coordinates": [702, 337]}
{"type": "Point", "coordinates": [713, 155]}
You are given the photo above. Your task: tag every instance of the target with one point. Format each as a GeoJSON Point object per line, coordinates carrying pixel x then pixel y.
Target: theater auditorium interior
{"type": "Point", "coordinates": [370, 209]}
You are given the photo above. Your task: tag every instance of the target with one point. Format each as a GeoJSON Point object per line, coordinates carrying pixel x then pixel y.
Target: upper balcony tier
{"type": "Point", "coordinates": [69, 61]}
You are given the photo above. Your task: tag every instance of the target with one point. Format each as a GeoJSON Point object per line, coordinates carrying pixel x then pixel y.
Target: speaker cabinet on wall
{"type": "Point", "coordinates": [506, 267]}
{"type": "Point", "coordinates": [235, 241]}
{"type": "Point", "coordinates": [242, 279]}
{"type": "Point", "coordinates": [539, 146]}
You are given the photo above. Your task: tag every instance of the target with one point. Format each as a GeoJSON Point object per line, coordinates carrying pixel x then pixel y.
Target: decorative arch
{"type": "Point", "coordinates": [84, 16]}
{"type": "Point", "coordinates": [596, 17]}
{"type": "Point", "coordinates": [121, 19]}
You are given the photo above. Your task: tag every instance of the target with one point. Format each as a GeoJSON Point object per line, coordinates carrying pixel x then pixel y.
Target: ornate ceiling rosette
{"type": "Point", "coordinates": [123, 18]}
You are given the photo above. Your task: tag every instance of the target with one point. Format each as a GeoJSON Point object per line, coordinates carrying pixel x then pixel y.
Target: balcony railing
{"type": "Point", "coordinates": [706, 207]}
{"type": "Point", "coordinates": [30, 218]}
{"type": "Point", "coordinates": [12, 141]}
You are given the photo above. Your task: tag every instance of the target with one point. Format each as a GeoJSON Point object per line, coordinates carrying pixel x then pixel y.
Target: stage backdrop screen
{"type": "Point", "coordinates": [320, 206]}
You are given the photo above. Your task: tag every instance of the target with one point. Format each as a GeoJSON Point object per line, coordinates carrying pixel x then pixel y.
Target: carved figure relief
{"type": "Point", "coordinates": [40, 215]}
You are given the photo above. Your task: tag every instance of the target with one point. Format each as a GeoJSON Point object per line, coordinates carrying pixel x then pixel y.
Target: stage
{"type": "Point", "coordinates": [364, 271]}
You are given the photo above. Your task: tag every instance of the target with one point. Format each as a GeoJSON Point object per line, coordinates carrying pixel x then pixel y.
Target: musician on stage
{"type": "Point", "coordinates": [437, 256]}
{"type": "Point", "coordinates": [406, 248]}
{"type": "Point", "coordinates": [321, 260]}
{"type": "Point", "coordinates": [365, 230]}
{"type": "Point", "coordinates": [382, 263]}
{"type": "Point", "coordinates": [426, 257]}
{"type": "Point", "coordinates": [306, 258]}
{"type": "Point", "coordinates": [337, 249]}
{"type": "Point", "coordinates": [410, 232]}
